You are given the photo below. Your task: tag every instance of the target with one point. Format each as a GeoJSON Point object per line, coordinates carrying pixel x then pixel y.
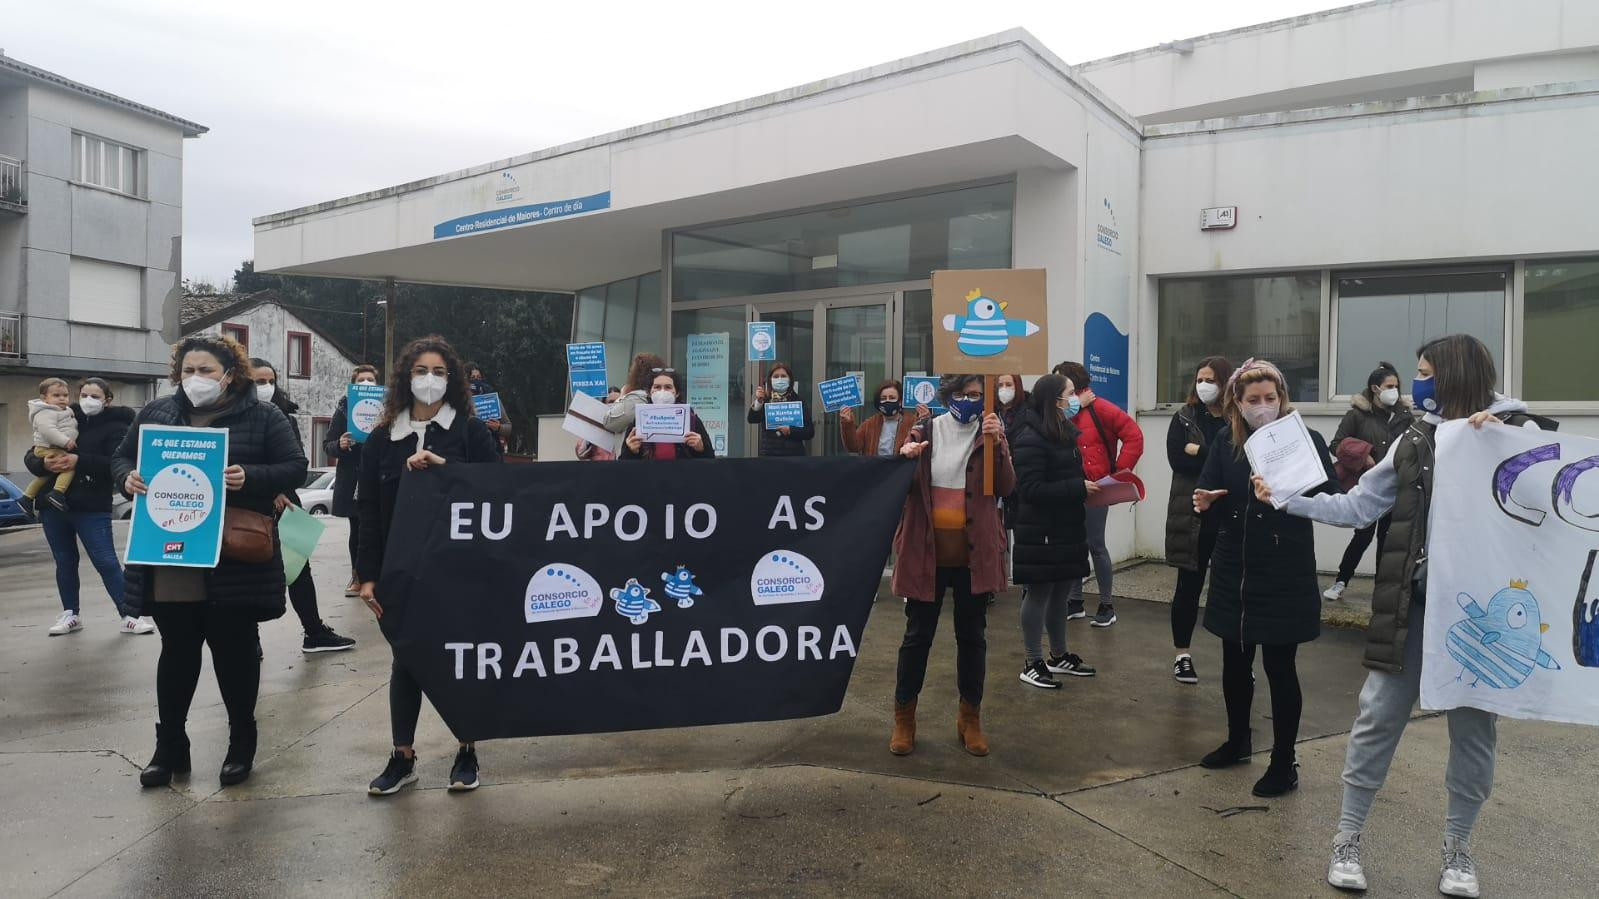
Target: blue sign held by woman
{"type": "Point", "coordinates": [178, 520]}
{"type": "Point", "coordinates": [364, 405]}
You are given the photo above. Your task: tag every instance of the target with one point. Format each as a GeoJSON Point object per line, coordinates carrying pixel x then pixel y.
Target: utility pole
{"type": "Point", "coordinates": [388, 326]}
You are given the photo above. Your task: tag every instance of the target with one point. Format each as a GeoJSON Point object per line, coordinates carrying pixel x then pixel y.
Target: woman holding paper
{"type": "Point", "coordinates": [427, 422]}
{"type": "Point", "coordinates": [1455, 378]}
{"type": "Point", "coordinates": [884, 433]}
{"type": "Point", "coordinates": [218, 607]}
{"type": "Point", "coordinates": [1191, 537]}
{"type": "Point", "coordinates": [619, 413]}
{"type": "Point", "coordinates": [665, 390]}
{"type": "Point", "coordinates": [784, 440]}
{"type": "Point", "coordinates": [1377, 417]}
{"type": "Point", "coordinates": [1264, 595]}
{"type": "Point", "coordinates": [342, 446]}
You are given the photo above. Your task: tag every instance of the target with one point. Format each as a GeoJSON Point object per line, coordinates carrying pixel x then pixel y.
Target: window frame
{"type": "Point", "coordinates": [225, 327]}
{"type": "Point", "coordinates": [305, 355]}
{"type": "Point", "coordinates": [1518, 322]}
{"type": "Point", "coordinates": [137, 171]}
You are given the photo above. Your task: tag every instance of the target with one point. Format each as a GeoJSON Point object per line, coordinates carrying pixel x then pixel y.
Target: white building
{"type": "Point", "coordinates": [1400, 169]}
{"type": "Point", "coordinates": [91, 225]}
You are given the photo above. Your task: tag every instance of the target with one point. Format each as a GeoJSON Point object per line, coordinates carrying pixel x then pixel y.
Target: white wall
{"type": "Point", "coordinates": [1526, 71]}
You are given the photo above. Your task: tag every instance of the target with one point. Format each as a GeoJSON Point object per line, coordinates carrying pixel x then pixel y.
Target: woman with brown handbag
{"type": "Point", "coordinates": [220, 606]}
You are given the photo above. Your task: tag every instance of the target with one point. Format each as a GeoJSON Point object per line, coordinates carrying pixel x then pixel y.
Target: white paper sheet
{"type": "Point", "coordinates": [1284, 455]}
{"type": "Point", "coordinates": [582, 416]}
{"type": "Point", "coordinates": [663, 423]}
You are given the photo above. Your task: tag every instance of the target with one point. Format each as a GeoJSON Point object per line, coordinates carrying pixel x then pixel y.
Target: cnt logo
{"type": "Point", "coordinates": [784, 576]}
{"type": "Point", "coordinates": [172, 547]}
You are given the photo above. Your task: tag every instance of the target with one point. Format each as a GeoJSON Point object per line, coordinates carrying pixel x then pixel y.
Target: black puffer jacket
{"type": "Point", "coordinates": [1374, 424]}
{"type": "Point", "coordinates": [349, 461]}
{"type": "Point", "coordinates": [1274, 598]}
{"type": "Point", "coordinates": [1049, 520]}
{"type": "Point", "coordinates": [259, 439]}
{"type": "Point", "coordinates": [775, 444]}
{"type": "Point", "coordinates": [98, 438]}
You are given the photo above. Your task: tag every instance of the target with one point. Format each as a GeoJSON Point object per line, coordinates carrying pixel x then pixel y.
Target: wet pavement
{"type": "Point", "coordinates": [1090, 790]}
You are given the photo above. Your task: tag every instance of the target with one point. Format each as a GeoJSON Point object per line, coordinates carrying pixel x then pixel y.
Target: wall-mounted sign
{"type": "Point", "coordinates": [1218, 218]}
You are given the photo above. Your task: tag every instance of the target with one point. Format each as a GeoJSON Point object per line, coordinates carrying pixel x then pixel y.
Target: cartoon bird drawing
{"type": "Point", "coordinates": [681, 587]}
{"type": "Point", "coordinates": [1498, 646]}
{"type": "Point", "coordinates": [633, 601]}
{"type": "Point", "coordinates": [984, 330]}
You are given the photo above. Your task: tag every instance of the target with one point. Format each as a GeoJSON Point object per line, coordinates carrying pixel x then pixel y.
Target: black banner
{"type": "Point", "coordinates": [570, 597]}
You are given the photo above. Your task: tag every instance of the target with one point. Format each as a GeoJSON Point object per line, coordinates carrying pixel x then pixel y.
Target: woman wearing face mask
{"type": "Point", "coordinates": [1263, 590]}
{"type": "Point", "coordinates": [341, 445]}
{"type": "Point", "coordinates": [1191, 537]}
{"type": "Point", "coordinates": [665, 389]}
{"type": "Point", "coordinates": [87, 518]}
{"type": "Point", "coordinates": [1379, 416]}
{"type": "Point", "coordinates": [619, 413]}
{"type": "Point", "coordinates": [218, 607]}
{"type": "Point", "coordinates": [950, 540]}
{"type": "Point", "coordinates": [885, 432]}
{"type": "Point", "coordinates": [1012, 399]}
{"type": "Point", "coordinates": [1455, 378]}
{"type": "Point", "coordinates": [427, 423]}
{"type": "Point", "coordinates": [302, 592]}
{"type": "Point", "coordinates": [779, 388]}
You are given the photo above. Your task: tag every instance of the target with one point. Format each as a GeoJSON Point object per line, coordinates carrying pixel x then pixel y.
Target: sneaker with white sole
{"type": "Point", "coordinates": [1074, 610]}
{"type": "Point", "coordinates": [1105, 617]}
{"type": "Point", "coordinates": [1345, 871]}
{"type": "Point", "coordinates": [1335, 592]}
{"type": "Point", "coordinates": [1038, 676]}
{"type": "Point", "coordinates": [132, 625]}
{"type": "Point", "coordinates": [1459, 874]}
{"type": "Point", "coordinates": [66, 623]}
{"type": "Point", "coordinates": [1183, 670]}
{"type": "Point", "coordinates": [463, 774]}
{"type": "Point", "coordinates": [1070, 663]}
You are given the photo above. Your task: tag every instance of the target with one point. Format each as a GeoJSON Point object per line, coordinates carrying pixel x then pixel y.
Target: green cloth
{"type": "Point", "coordinates": [298, 531]}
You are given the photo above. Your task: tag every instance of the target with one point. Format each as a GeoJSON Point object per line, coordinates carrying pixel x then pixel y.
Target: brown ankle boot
{"type": "Point", "coordinates": [970, 728]}
{"type": "Point", "coordinates": [904, 739]}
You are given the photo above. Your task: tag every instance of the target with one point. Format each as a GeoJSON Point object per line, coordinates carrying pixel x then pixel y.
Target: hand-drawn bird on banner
{"type": "Point", "coordinates": [633, 601]}
{"type": "Point", "coordinates": [984, 330]}
{"type": "Point", "coordinates": [681, 587]}
{"type": "Point", "coordinates": [1498, 646]}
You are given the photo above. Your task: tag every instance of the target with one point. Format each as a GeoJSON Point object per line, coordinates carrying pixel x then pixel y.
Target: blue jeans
{"type": "Point", "coordinates": [63, 530]}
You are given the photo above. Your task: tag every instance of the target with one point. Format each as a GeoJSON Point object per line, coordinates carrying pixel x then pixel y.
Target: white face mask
{"type": "Point", "coordinates": [1006, 394]}
{"type": "Point", "coordinates": [428, 389]}
{"type": "Point", "coordinates": [663, 397]}
{"type": "Point", "coordinates": [780, 385]}
{"type": "Point", "coordinates": [264, 392]}
{"type": "Point", "coordinates": [1261, 415]}
{"type": "Point", "coordinates": [1389, 396]}
{"type": "Point", "coordinates": [91, 406]}
{"type": "Point", "coordinates": [201, 390]}
{"type": "Point", "coordinates": [1207, 392]}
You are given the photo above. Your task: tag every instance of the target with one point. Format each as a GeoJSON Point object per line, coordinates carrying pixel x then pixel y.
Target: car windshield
{"type": "Point", "coordinates": [317, 478]}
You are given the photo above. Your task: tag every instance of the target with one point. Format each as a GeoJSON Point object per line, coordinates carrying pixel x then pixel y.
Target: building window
{"type": "Point", "coordinates": [865, 243]}
{"type": "Point", "coordinates": [318, 447]}
{"type": "Point", "coordinates": [104, 293]}
{"type": "Point", "coordinates": [626, 315]}
{"type": "Point", "coordinates": [1274, 317]}
{"type": "Point", "coordinates": [1560, 318]}
{"type": "Point", "coordinates": [299, 361]}
{"type": "Point", "coordinates": [108, 164]}
{"type": "Point", "coordinates": [1385, 317]}
{"type": "Point", "coordinates": [240, 333]}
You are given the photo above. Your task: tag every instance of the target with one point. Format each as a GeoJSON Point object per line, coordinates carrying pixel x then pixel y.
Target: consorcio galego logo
{"type": "Point", "coordinates": [784, 576]}
{"type": "Point", "coordinates": [180, 498]}
{"type": "Point", "coordinates": [559, 590]}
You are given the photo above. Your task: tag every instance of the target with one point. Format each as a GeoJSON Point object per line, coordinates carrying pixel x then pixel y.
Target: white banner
{"type": "Point", "coordinates": [1512, 586]}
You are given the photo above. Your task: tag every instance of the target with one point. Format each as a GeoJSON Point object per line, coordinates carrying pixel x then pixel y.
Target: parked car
{"type": "Point", "coordinates": [317, 494]}
{"type": "Point", "coordinates": [121, 506]}
{"type": "Point", "coordinates": [11, 511]}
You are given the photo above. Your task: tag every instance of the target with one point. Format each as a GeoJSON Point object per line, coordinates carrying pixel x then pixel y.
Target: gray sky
{"type": "Point", "coordinates": [309, 100]}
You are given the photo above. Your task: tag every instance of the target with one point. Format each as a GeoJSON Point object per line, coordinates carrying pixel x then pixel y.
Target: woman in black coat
{"type": "Point", "coordinates": [1263, 588]}
{"type": "Point", "coordinates": [342, 446]}
{"type": "Point", "coordinates": [1190, 537]}
{"type": "Point", "coordinates": [427, 422]}
{"type": "Point", "coordinates": [1050, 525]}
{"type": "Point", "coordinates": [779, 388]}
{"type": "Point", "coordinates": [220, 606]}
{"type": "Point", "coordinates": [87, 518]}
{"type": "Point", "coordinates": [667, 388]}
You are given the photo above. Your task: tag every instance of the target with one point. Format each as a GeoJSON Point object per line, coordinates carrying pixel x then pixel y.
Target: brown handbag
{"type": "Point", "coordinates": [248, 536]}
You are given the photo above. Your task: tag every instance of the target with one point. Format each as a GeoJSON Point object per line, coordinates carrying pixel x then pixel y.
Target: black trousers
{"type": "Point", "coordinates": [302, 595]}
{"type": "Point", "coordinates": [1358, 542]}
{"type": "Point", "coordinates": [355, 539]}
{"type": "Point", "coordinates": [971, 646]}
{"type": "Point", "coordinates": [232, 636]}
{"type": "Point", "coordinates": [1190, 584]}
{"type": "Point", "coordinates": [1238, 688]}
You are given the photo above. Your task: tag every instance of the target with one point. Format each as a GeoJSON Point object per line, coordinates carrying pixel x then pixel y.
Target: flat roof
{"type": "Point", "coordinates": [43, 76]}
{"type": "Point", "coordinates": [1214, 36]}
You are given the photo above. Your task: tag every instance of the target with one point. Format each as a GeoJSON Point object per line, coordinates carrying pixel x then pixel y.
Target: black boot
{"type": "Point", "coordinates": [1281, 777]}
{"type": "Point", "coordinates": [1235, 751]}
{"type": "Point", "coordinates": [241, 754]}
{"type": "Point", "coordinates": [171, 756]}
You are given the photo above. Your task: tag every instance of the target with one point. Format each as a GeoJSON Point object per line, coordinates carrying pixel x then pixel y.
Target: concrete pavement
{"type": "Point", "coordinates": [1090, 790]}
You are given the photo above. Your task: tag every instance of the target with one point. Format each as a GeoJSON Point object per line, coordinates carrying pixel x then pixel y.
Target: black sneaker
{"type": "Point", "coordinates": [1106, 616]}
{"type": "Point", "coordinates": [56, 500]}
{"type": "Point", "coordinates": [1074, 610]}
{"type": "Point", "coordinates": [396, 774]}
{"type": "Point", "coordinates": [1227, 755]}
{"type": "Point", "coordinates": [326, 640]}
{"type": "Point", "coordinates": [1038, 675]}
{"type": "Point", "coordinates": [1070, 663]}
{"type": "Point", "coordinates": [1280, 779]}
{"type": "Point", "coordinates": [1183, 670]}
{"type": "Point", "coordinates": [463, 774]}
{"type": "Point", "coordinates": [25, 502]}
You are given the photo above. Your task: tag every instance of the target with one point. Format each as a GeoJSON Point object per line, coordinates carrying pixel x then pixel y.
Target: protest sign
{"type": "Point", "coordinates": [708, 357]}
{"type": "Point", "coordinates": [762, 341]}
{"type": "Point", "coordinates": [1513, 574]}
{"type": "Point", "coordinates": [487, 406]}
{"type": "Point", "coordinates": [585, 365]}
{"type": "Point", "coordinates": [562, 598]}
{"type": "Point", "coordinates": [363, 404]}
{"type": "Point", "coordinates": [662, 423]}
{"type": "Point", "coordinates": [583, 420]}
{"type": "Point", "coordinates": [840, 392]}
{"type": "Point", "coordinates": [785, 415]}
{"type": "Point", "coordinates": [299, 532]}
{"type": "Point", "coordinates": [922, 390]}
{"type": "Point", "coordinates": [178, 521]}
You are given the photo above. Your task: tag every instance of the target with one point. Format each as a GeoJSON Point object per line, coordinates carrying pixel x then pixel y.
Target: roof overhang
{"type": "Point", "coordinates": [26, 72]}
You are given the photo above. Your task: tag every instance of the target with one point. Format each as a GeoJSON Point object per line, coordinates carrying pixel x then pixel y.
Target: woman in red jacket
{"type": "Point", "coordinates": [1101, 429]}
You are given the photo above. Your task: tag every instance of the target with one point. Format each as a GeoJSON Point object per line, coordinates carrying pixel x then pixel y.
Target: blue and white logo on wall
{"type": "Point", "coordinates": [681, 587]}
{"type": "Point", "coordinates": [784, 576]}
{"type": "Point", "coordinates": [1107, 235]}
{"type": "Point", "coordinates": [507, 188]}
{"type": "Point", "coordinates": [512, 216]}
{"type": "Point", "coordinates": [633, 601]}
{"type": "Point", "coordinates": [1105, 351]}
{"type": "Point", "coordinates": [558, 591]}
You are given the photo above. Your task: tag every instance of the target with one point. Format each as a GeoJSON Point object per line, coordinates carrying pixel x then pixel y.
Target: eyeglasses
{"type": "Point", "coordinates": [663, 371]}
{"type": "Point", "coordinates": [419, 371]}
{"type": "Point", "coordinates": [975, 397]}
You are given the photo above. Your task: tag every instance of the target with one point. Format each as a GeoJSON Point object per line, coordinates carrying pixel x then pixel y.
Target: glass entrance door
{"type": "Point", "coordinates": [826, 339]}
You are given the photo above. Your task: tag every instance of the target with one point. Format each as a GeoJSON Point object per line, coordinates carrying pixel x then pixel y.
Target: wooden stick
{"type": "Point", "coordinates": [988, 441]}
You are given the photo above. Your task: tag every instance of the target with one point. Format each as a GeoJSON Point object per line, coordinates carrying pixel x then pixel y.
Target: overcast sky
{"type": "Point", "coordinates": [310, 100]}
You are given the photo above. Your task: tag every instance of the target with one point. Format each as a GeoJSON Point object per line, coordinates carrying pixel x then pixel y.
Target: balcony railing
{"type": "Point", "coordinates": [12, 195]}
{"type": "Point", "coordinates": [10, 335]}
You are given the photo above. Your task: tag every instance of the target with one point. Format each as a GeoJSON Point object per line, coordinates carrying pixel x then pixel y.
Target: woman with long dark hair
{"type": "Point", "coordinates": [779, 388]}
{"type": "Point", "coordinates": [427, 423]}
{"type": "Point", "coordinates": [1377, 417]}
{"type": "Point", "coordinates": [342, 446]}
{"type": "Point", "coordinates": [1191, 537]}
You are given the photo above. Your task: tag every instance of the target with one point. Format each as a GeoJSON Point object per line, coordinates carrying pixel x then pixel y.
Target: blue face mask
{"type": "Point", "coordinates": [965, 409]}
{"type": "Point", "coordinates": [1073, 406]}
{"type": "Point", "coordinates": [1424, 392]}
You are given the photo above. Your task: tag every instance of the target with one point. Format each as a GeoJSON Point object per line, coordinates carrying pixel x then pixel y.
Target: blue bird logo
{"type": "Point", "coordinates": [984, 330]}
{"type": "Point", "coordinates": [633, 601]}
{"type": "Point", "coordinates": [681, 587]}
{"type": "Point", "coordinates": [1500, 645]}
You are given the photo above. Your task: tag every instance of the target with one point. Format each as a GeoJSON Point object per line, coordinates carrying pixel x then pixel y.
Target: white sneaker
{"type": "Point", "coordinates": [1345, 870]}
{"type": "Point", "coordinates": [131, 625]}
{"type": "Point", "coordinates": [66, 623]}
{"type": "Point", "coordinates": [1335, 592]}
{"type": "Point", "coordinates": [1459, 875]}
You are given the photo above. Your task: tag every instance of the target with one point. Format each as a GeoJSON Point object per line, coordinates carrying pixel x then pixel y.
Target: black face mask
{"type": "Point", "coordinates": [888, 409]}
